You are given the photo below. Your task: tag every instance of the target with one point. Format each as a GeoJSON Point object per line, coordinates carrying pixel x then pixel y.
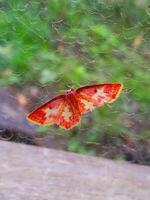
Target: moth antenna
{"type": "Point", "coordinates": [126, 91]}
{"type": "Point", "coordinates": [62, 91]}
{"type": "Point", "coordinates": [79, 85]}
{"type": "Point", "coordinates": [69, 86]}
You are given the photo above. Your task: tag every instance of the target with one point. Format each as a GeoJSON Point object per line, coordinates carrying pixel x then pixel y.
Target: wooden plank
{"type": "Point", "coordinates": [31, 173]}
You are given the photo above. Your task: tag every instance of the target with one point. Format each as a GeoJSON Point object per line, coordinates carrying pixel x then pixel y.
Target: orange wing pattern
{"type": "Point", "coordinates": [66, 110]}
{"type": "Point", "coordinates": [70, 117]}
{"type": "Point", "coordinates": [90, 97]}
{"type": "Point", "coordinates": [57, 111]}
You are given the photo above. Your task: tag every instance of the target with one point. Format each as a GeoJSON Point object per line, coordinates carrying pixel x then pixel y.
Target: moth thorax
{"type": "Point", "coordinates": [69, 91]}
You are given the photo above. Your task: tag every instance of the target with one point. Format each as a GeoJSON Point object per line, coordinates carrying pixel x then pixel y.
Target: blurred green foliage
{"type": "Point", "coordinates": [78, 42]}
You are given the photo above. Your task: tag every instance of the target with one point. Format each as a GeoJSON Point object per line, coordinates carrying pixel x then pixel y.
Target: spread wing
{"type": "Point", "coordinates": [56, 111]}
{"type": "Point", "coordinates": [92, 96]}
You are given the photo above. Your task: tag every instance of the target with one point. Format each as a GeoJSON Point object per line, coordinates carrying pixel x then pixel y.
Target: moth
{"type": "Point", "coordinates": [66, 110]}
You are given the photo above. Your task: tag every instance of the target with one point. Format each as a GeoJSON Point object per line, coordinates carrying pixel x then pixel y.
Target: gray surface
{"type": "Point", "coordinates": [34, 173]}
{"type": "Point", "coordinates": [13, 116]}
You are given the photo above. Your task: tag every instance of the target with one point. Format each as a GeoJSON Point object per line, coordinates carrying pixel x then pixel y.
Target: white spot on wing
{"type": "Point", "coordinates": [66, 114]}
{"type": "Point", "coordinates": [88, 105]}
{"type": "Point", "coordinates": [100, 94]}
{"type": "Point", "coordinates": [51, 111]}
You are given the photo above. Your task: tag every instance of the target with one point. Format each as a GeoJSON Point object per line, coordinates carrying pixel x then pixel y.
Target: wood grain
{"type": "Point", "coordinates": [33, 173]}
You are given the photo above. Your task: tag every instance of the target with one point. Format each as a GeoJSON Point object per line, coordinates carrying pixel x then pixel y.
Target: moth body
{"type": "Point", "coordinates": [66, 110]}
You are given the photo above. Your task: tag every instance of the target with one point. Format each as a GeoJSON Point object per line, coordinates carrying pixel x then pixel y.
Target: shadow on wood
{"type": "Point", "coordinates": [31, 173]}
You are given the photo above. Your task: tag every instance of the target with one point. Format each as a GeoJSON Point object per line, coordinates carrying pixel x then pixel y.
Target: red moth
{"type": "Point", "coordinates": [66, 110]}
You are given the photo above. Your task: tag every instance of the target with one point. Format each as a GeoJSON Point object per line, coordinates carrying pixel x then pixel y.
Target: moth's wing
{"type": "Point", "coordinates": [70, 116]}
{"type": "Point", "coordinates": [90, 97]}
{"type": "Point", "coordinates": [56, 111]}
{"type": "Point", "coordinates": [49, 112]}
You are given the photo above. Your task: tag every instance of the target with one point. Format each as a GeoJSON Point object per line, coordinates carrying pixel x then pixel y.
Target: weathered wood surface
{"type": "Point", "coordinates": [33, 173]}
